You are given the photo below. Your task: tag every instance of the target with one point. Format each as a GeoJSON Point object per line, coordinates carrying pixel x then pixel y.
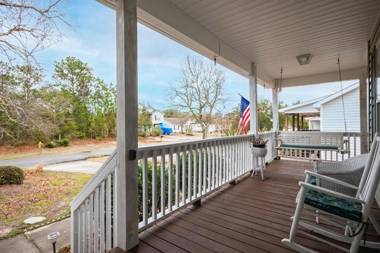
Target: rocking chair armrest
{"type": "Point", "coordinates": [331, 179]}
{"type": "Point", "coordinates": [330, 192]}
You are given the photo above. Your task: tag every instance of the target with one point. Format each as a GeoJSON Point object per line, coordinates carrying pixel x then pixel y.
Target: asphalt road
{"type": "Point", "coordinates": [77, 161]}
{"type": "Point", "coordinates": [49, 159]}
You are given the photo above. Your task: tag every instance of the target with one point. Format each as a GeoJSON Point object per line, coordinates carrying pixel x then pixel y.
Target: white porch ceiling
{"type": "Point", "coordinates": [272, 32]}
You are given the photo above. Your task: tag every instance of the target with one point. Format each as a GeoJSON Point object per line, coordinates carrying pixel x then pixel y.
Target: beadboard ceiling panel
{"type": "Point", "coordinates": [273, 32]}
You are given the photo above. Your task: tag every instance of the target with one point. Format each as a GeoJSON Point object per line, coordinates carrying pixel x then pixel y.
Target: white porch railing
{"type": "Point", "coordinates": [92, 221]}
{"type": "Point", "coordinates": [350, 143]}
{"type": "Point", "coordinates": [170, 177]}
{"type": "Point", "coordinates": [175, 175]}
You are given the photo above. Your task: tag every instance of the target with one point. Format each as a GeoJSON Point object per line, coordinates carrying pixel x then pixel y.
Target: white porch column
{"type": "Point", "coordinates": [363, 113]}
{"type": "Point", "coordinates": [126, 194]}
{"type": "Point", "coordinates": [253, 100]}
{"type": "Point", "coordinates": [276, 124]}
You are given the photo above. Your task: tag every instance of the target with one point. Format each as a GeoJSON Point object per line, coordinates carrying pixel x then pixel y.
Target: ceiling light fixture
{"type": "Point", "coordinates": [304, 59]}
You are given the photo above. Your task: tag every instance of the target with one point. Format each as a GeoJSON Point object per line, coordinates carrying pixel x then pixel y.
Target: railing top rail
{"type": "Point", "coordinates": [101, 174]}
{"type": "Point", "coordinates": [188, 143]}
{"type": "Point", "coordinates": [320, 133]}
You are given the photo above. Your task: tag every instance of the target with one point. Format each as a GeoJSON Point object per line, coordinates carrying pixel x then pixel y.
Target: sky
{"type": "Point", "coordinates": [91, 37]}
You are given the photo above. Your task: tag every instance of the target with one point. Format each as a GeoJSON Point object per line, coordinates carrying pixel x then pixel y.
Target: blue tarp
{"type": "Point", "coordinates": [166, 130]}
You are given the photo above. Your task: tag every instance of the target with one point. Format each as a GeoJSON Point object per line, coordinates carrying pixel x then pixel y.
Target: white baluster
{"type": "Point", "coordinates": [200, 165]}
{"type": "Point", "coordinates": [177, 167]}
{"type": "Point", "coordinates": [108, 213]}
{"type": "Point", "coordinates": [145, 189]}
{"type": "Point", "coordinates": [195, 169]}
{"type": "Point", "coordinates": [184, 177]}
{"type": "Point", "coordinates": [101, 217]}
{"type": "Point", "coordinates": [170, 188]}
{"type": "Point", "coordinates": [204, 149]}
{"type": "Point", "coordinates": [154, 186]}
{"type": "Point", "coordinates": [162, 180]}
{"type": "Point", "coordinates": [190, 174]}
{"type": "Point", "coordinates": [96, 220]}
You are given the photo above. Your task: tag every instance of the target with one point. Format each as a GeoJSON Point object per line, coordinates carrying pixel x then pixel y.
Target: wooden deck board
{"type": "Point", "coordinates": [252, 216]}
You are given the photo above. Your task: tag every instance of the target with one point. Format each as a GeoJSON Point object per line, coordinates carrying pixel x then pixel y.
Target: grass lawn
{"type": "Point", "coordinates": [47, 194]}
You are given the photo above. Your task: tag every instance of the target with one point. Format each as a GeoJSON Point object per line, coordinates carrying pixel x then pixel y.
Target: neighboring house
{"type": "Point", "coordinates": [157, 117]}
{"type": "Point", "coordinates": [326, 114]}
{"type": "Point", "coordinates": [177, 124]}
{"type": "Point", "coordinates": [332, 114]}
{"type": "Point", "coordinates": [196, 127]}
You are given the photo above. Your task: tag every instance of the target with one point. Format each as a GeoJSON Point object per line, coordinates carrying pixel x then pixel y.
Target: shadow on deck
{"type": "Point", "coordinates": [252, 216]}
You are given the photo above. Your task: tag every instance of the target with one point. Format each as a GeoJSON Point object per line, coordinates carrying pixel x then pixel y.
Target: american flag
{"type": "Point", "coordinates": [245, 114]}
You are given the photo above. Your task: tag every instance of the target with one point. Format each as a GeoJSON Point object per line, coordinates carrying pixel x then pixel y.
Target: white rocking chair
{"type": "Point", "coordinates": [355, 211]}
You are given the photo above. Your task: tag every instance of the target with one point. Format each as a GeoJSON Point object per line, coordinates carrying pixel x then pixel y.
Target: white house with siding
{"type": "Point", "coordinates": [177, 124]}
{"type": "Point", "coordinates": [333, 114]}
{"type": "Point", "coordinates": [327, 114]}
{"type": "Point", "coordinates": [157, 117]}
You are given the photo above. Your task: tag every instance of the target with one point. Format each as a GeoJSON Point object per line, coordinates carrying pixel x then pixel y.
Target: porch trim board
{"type": "Point", "coordinates": [347, 74]}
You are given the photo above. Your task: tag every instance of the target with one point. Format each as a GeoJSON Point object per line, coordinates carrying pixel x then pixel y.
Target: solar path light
{"type": "Point", "coordinates": [53, 238]}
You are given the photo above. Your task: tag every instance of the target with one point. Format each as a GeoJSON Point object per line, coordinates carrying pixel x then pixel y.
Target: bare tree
{"type": "Point", "coordinates": [199, 92]}
{"type": "Point", "coordinates": [27, 26]}
{"type": "Point", "coordinates": [18, 111]}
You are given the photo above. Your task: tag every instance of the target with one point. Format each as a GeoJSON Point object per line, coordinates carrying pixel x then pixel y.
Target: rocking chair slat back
{"type": "Point", "coordinates": [367, 166]}
{"type": "Point", "coordinates": [368, 185]}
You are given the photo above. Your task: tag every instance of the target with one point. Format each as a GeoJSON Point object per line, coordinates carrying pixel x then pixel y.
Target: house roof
{"type": "Point", "coordinates": [292, 108]}
{"type": "Point", "coordinates": [175, 121]}
{"type": "Point", "coordinates": [312, 106]}
{"type": "Point", "coordinates": [337, 95]}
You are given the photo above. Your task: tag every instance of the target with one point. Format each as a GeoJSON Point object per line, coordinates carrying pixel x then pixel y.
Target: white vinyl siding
{"type": "Point", "coordinates": [332, 117]}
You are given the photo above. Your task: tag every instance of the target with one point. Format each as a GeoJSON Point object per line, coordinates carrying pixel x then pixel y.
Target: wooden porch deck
{"type": "Point", "coordinates": [252, 216]}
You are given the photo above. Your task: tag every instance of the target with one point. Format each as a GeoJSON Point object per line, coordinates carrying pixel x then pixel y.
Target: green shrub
{"type": "Point", "coordinates": [64, 142]}
{"type": "Point", "coordinates": [142, 133]}
{"type": "Point", "coordinates": [11, 175]}
{"type": "Point", "coordinates": [51, 144]}
{"type": "Point", "coordinates": [156, 131]}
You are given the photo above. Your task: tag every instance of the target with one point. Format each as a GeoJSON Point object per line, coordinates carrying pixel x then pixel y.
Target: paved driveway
{"type": "Point", "coordinates": [86, 166]}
